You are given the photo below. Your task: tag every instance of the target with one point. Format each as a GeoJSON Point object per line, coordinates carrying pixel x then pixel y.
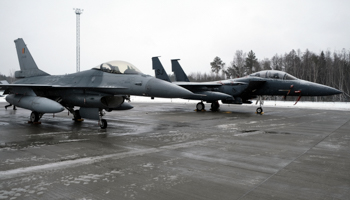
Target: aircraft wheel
{"type": "Point", "coordinates": [77, 116]}
{"type": "Point", "coordinates": [103, 124]}
{"type": "Point", "coordinates": [34, 117]}
{"type": "Point", "coordinates": [259, 110]}
{"type": "Point", "coordinates": [215, 106]}
{"type": "Point", "coordinates": [200, 106]}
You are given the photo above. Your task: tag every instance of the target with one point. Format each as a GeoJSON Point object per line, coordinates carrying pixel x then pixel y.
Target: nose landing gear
{"type": "Point", "coordinates": [260, 110]}
{"type": "Point", "coordinates": [102, 122]}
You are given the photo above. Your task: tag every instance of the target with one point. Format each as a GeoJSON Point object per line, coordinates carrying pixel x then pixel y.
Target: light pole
{"type": "Point", "coordinates": [78, 11]}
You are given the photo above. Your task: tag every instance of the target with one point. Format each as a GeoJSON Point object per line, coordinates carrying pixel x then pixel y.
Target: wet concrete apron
{"type": "Point", "coordinates": [168, 151]}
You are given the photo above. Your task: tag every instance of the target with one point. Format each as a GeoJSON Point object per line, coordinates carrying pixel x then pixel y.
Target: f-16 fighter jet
{"type": "Point", "coordinates": [104, 87]}
{"type": "Point", "coordinates": [242, 90]}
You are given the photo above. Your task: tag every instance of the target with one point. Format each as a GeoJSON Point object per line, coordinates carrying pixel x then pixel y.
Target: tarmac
{"type": "Point", "coordinates": [169, 151]}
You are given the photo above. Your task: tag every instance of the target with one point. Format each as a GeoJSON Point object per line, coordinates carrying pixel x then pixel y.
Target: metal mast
{"type": "Point", "coordinates": [78, 11]}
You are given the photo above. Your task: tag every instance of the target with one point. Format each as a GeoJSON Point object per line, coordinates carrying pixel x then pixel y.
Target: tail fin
{"type": "Point", "coordinates": [178, 71]}
{"type": "Point", "coordinates": [159, 69]}
{"type": "Point", "coordinates": [26, 62]}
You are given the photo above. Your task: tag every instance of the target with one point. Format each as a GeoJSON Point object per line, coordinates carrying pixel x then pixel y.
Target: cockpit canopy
{"type": "Point", "coordinates": [274, 74]}
{"type": "Point", "coordinates": [118, 67]}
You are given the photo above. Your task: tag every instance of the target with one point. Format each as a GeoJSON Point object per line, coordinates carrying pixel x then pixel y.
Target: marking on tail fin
{"type": "Point", "coordinates": [159, 71]}
{"type": "Point", "coordinates": [26, 62]}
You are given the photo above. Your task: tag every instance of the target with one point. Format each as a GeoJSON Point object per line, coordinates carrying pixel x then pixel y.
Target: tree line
{"type": "Point", "coordinates": [327, 68]}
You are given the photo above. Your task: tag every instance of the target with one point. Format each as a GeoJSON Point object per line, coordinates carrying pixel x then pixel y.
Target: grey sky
{"type": "Point", "coordinates": [193, 31]}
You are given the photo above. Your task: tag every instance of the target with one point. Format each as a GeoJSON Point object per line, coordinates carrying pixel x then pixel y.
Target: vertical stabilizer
{"type": "Point", "coordinates": [159, 71]}
{"type": "Point", "coordinates": [178, 71]}
{"type": "Point", "coordinates": [26, 62]}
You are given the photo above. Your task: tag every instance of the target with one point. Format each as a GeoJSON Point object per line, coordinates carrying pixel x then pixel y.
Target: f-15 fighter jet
{"type": "Point", "coordinates": [242, 90]}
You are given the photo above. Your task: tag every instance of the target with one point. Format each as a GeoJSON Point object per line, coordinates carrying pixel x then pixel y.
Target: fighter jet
{"type": "Point", "coordinates": [242, 90]}
{"type": "Point", "coordinates": [204, 91]}
{"type": "Point", "coordinates": [102, 88]}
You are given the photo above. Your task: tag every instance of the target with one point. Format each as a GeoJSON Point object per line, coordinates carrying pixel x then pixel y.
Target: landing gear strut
{"type": "Point", "coordinates": [76, 114]}
{"type": "Point", "coordinates": [102, 122]}
{"type": "Point", "coordinates": [259, 110]}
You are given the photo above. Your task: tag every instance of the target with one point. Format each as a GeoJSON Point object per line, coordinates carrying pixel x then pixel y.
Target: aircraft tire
{"type": "Point", "coordinates": [200, 106]}
{"type": "Point", "coordinates": [77, 115]}
{"type": "Point", "coordinates": [103, 124]}
{"type": "Point", "coordinates": [259, 110]}
{"type": "Point", "coordinates": [34, 116]}
{"type": "Point", "coordinates": [215, 106]}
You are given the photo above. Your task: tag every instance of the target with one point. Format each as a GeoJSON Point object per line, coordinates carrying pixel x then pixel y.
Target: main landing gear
{"type": "Point", "coordinates": [76, 114]}
{"type": "Point", "coordinates": [200, 106]}
{"type": "Point", "coordinates": [77, 117]}
{"type": "Point", "coordinates": [35, 117]}
{"type": "Point", "coordinates": [214, 106]}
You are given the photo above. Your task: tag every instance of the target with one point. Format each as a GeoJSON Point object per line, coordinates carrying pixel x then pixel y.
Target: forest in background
{"type": "Point", "coordinates": [327, 68]}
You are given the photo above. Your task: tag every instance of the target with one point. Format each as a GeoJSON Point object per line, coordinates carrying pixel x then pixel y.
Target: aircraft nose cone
{"type": "Point", "coordinates": [333, 91]}
{"type": "Point", "coordinates": [159, 88]}
{"type": "Point", "coordinates": [326, 90]}
{"type": "Point", "coordinates": [316, 89]}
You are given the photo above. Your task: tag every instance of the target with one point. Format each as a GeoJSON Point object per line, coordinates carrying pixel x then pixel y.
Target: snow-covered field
{"type": "Point", "coordinates": [288, 104]}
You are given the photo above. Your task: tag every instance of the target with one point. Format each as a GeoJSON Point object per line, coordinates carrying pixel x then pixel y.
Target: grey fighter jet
{"type": "Point", "coordinates": [201, 90]}
{"type": "Point", "coordinates": [241, 90]}
{"type": "Point", "coordinates": [103, 88]}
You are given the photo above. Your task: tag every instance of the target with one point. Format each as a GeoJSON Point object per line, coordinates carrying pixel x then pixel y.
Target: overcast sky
{"type": "Point", "coordinates": [190, 30]}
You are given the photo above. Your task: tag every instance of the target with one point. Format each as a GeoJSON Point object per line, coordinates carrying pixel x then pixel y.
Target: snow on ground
{"type": "Point", "coordinates": [288, 104]}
